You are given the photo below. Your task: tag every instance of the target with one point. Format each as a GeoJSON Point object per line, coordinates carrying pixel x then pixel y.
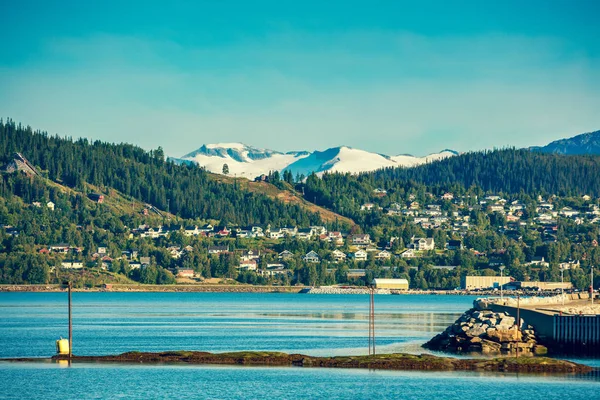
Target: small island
{"type": "Point", "coordinates": [396, 361]}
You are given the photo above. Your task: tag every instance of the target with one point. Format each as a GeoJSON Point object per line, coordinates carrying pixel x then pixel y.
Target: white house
{"type": "Point", "coordinates": [311, 257]}
{"type": "Point", "coordinates": [71, 264]}
{"type": "Point", "coordinates": [360, 255]}
{"type": "Point", "coordinates": [423, 244]}
{"type": "Point", "coordinates": [248, 265]}
{"type": "Point", "coordinates": [383, 255]}
{"type": "Point", "coordinates": [338, 256]}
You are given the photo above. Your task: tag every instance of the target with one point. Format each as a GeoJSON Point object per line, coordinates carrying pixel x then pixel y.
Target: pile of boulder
{"type": "Point", "coordinates": [487, 332]}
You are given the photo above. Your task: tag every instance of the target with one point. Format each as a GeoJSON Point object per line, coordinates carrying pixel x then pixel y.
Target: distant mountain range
{"type": "Point", "coordinates": [586, 143]}
{"type": "Point", "coordinates": [250, 162]}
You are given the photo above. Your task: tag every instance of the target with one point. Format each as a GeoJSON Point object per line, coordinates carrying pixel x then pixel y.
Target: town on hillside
{"type": "Point", "coordinates": [448, 239]}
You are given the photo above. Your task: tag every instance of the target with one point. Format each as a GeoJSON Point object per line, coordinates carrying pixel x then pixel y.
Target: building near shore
{"type": "Point", "coordinates": [399, 284]}
{"type": "Point", "coordinates": [483, 282]}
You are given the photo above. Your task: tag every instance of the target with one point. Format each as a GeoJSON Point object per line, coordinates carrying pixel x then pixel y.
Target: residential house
{"type": "Point", "coordinates": [50, 205]}
{"type": "Point", "coordinates": [274, 270]}
{"type": "Point", "coordinates": [410, 253]}
{"type": "Point", "coordinates": [191, 230]}
{"type": "Point", "coordinates": [447, 196]}
{"type": "Point", "coordinates": [144, 261]}
{"type": "Point", "coordinates": [247, 255]}
{"type": "Point", "coordinates": [72, 264]}
{"type": "Point", "coordinates": [379, 191]}
{"type": "Point", "coordinates": [305, 234]}
{"type": "Point", "coordinates": [61, 248]}
{"type": "Point", "coordinates": [319, 230]}
{"type": "Point", "coordinates": [497, 207]}
{"type": "Point", "coordinates": [217, 249]}
{"type": "Point", "coordinates": [248, 265]}
{"type": "Point", "coordinates": [383, 255]}
{"type": "Point", "coordinates": [207, 228]}
{"type": "Point", "coordinates": [290, 230]}
{"type": "Point", "coordinates": [311, 257]}
{"type": "Point", "coordinates": [414, 205]}
{"type": "Point", "coordinates": [360, 255]}
{"type": "Point", "coordinates": [276, 234]}
{"type": "Point", "coordinates": [540, 261]}
{"type": "Point", "coordinates": [175, 252]}
{"type": "Point", "coordinates": [285, 255]}
{"type": "Point", "coordinates": [338, 256]}
{"type": "Point", "coordinates": [422, 244]}
{"type": "Point", "coordinates": [361, 239]}
{"type": "Point", "coordinates": [336, 238]}
{"type": "Point", "coordinates": [569, 265]}
{"type": "Point", "coordinates": [367, 207]}
{"type": "Point", "coordinates": [185, 273]}
{"type": "Point", "coordinates": [568, 212]}
{"type": "Point", "coordinates": [222, 232]}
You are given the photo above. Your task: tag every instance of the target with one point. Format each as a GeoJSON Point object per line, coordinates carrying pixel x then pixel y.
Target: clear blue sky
{"type": "Point", "coordinates": [385, 76]}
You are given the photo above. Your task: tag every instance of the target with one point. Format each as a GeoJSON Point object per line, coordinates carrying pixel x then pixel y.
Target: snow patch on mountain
{"type": "Point", "coordinates": [250, 162]}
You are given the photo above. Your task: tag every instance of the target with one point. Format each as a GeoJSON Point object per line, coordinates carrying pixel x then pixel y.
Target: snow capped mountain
{"type": "Point", "coordinates": [250, 162]}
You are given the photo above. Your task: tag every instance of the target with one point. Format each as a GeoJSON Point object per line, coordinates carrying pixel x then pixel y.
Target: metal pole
{"type": "Point", "coordinates": [373, 318]}
{"type": "Point", "coordinates": [70, 324]}
{"type": "Point", "coordinates": [369, 321]}
{"type": "Point", "coordinates": [501, 276]}
{"type": "Point", "coordinates": [562, 284]}
{"type": "Point", "coordinates": [592, 285]}
{"type": "Point", "coordinates": [518, 322]}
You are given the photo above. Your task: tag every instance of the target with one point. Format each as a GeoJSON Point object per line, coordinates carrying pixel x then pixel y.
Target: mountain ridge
{"type": "Point", "coordinates": [249, 161]}
{"type": "Point", "coordinates": [585, 143]}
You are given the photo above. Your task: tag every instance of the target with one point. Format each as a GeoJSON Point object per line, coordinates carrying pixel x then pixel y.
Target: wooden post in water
{"type": "Point", "coordinates": [70, 323]}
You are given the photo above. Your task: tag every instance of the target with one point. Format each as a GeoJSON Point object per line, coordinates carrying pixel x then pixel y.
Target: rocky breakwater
{"type": "Point", "coordinates": [487, 332]}
{"type": "Point", "coordinates": [339, 290]}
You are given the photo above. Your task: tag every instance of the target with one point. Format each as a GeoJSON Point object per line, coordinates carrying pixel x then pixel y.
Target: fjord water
{"type": "Point", "coordinates": [109, 323]}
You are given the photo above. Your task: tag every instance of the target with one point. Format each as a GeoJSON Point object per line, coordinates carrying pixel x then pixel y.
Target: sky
{"type": "Point", "coordinates": [391, 77]}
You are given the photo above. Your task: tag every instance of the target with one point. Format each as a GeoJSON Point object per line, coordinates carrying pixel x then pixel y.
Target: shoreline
{"type": "Point", "coordinates": [395, 362]}
{"type": "Point", "coordinates": [228, 288]}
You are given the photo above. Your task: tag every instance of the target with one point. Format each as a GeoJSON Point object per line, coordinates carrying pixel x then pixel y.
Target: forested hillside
{"type": "Point", "coordinates": [187, 191]}
{"type": "Point", "coordinates": [507, 171]}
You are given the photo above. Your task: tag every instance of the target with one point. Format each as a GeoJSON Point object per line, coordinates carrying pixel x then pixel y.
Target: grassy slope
{"type": "Point", "coordinates": [287, 196]}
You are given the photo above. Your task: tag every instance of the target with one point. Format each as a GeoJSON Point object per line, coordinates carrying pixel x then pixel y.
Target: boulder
{"type": "Point", "coordinates": [476, 330]}
{"type": "Point", "coordinates": [489, 347]}
{"type": "Point", "coordinates": [506, 321]}
{"type": "Point", "coordinates": [504, 335]}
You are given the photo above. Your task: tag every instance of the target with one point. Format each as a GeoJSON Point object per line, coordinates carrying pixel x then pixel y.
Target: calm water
{"type": "Point", "coordinates": [311, 324]}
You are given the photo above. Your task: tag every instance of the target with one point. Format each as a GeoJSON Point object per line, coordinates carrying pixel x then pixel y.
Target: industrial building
{"type": "Point", "coordinates": [398, 284]}
{"type": "Point", "coordinates": [483, 282]}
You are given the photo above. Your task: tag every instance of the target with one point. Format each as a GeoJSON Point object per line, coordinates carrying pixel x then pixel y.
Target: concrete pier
{"type": "Point", "coordinates": [561, 332]}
